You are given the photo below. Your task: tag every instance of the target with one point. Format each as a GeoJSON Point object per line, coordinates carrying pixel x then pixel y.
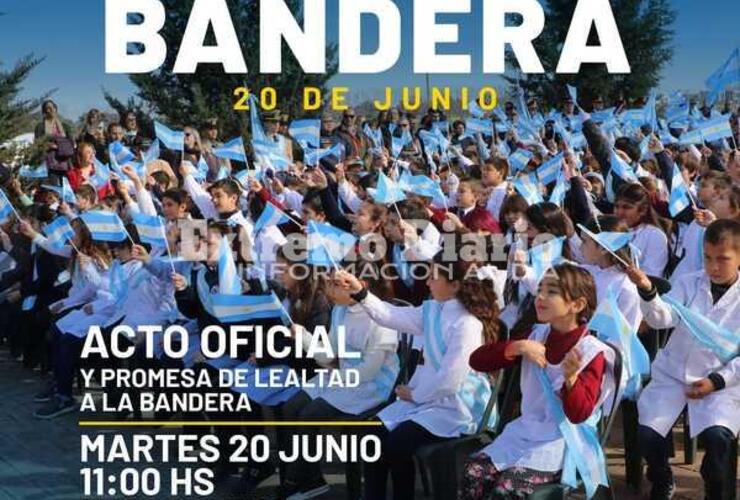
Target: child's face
{"type": "Point", "coordinates": [596, 186]}
{"type": "Point", "coordinates": [222, 201]}
{"type": "Point", "coordinates": [550, 303]}
{"type": "Point", "coordinates": [441, 289]}
{"type": "Point", "coordinates": [172, 210]}
{"type": "Point", "coordinates": [283, 274]}
{"type": "Point", "coordinates": [720, 205]}
{"type": "Point", "coordinates": [311, 215]}
{"type": "Point", "coordinates": [122, 253]}
{"type": "Point", "coordinates": [512, 218]}
{"type": "Point", "coordinates": [591, 251]}
{"type": "Point", "coordinates": [628, 212]}
{"type": "Point", "coordinates": [721, 262]}
{"type": "Point", "coordinates": [392, 230]}
{"type": "Point", "coordinates": [84, 203]}
{"type": "Point", "coordinates": [465, 196]}
{"type": "Point", "coordinates": [706, 193]}
{"type": "Point", "coordinates": [86, 155]}
{"type": "Point", "coordinates": [491, 177]}
{"type": "Point", "coordinates": [364, 223]}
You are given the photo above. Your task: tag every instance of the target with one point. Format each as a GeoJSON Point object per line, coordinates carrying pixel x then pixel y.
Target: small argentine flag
{"type": "Point", "coordinates": [271, 216]}
{"type": "Point", "coordinates": [6, 209]}
{"type": "Point", "coordinates": [548, 171]}
{"type": "Point", "coordinates": [104, 226]}
{"type": "Point", "coordinates": [612, 241]}
{"type": "Point", "coordinates": [327, 245]}
{"type": "Point", "coordinates": [475, 110]}
{"type": "Point", "coordinates": [622, 169]}
{"type": "Point", "coordinates": [228, 279]}
{"type": "Point", "coordinates": [546, 255]}
{"type": "Point", "coordinates": [101, 176]}
{"type": "Point", "coordinates": [151, 154]}
{"type": "Point", "coordinates": [58, 232]}
{"type": "Point", "coordinates": [232, 308]}
{"type": "Point", "coordinates": [478, 126]}
{"type": "Point", "coordinates": [680, 198]}
{"type": "Point", "coordinates": [519, 159]}
{"type": "Point", "coordinates": [561, 188]}
{"type": "Point", "coordinates": [232, 150]}
{"type": "Point", "coordinates": [387, 191]}
{"type": "Point", "coordinates": [691, 137]}
{"type": "Point", "coordinates": [172, 139]}
{"type": "Point", "coordinates": [306, 132]}
{"type": "Point", "coordinates": [398, 143]}
{"type": "Point", "coordinates": [120, 153]}
{"type": "Point", "coordinates": [716, 128]}
{"type": "Point", "coordinates": [528, 187]}
{"type": "Point", "coordinates": [270, 155]}
{"type": "Point", "coordinates": [313, 157]}
{"type": "Point", "coordinates": [150, 229]}
{"type": "Point", "coordinates": [29, 172]}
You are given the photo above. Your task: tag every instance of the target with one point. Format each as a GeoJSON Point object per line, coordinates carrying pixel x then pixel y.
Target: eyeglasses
{"type": "Point", "coordinates": [188, 134]}
{"type": "Point", "coordinates": [405, 125]}
{"type": "Point", "coordinates": [351, 117]}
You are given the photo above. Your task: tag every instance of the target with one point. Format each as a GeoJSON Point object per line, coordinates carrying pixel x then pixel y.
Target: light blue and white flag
{"type": "Point", "coordinates": [258, 133]}
{"type": "Point", "coordinates": [477, 126]}
{"type": "Point", "coordinates": [546, 255]}
{"type": "Point", "coordinates": [529, 188]}
{"type": "Point", "coordinates": [230, 308]}
{"type": "Point", "coordinates": [68, 194]}
{"type": "Point", "coordinates": [150, 229]}
{"type": "Point", "coordinates": [398, 143]}
{"type": "Point", "coordinates": [726, 75]}
{"type": "Point", "coordinates": [28, 172]}
{"type": "Point", "coordinates": [270, 155]}
{"type": "Point", "coordinates": [6, 208]}
{"type": "Point", "coordinates": [603, 115]}
{"type": "Point", "coordinates": [680, 198]}
{"type": "Point", "coordinates": [573, 93]}
{"type": "Point", "coordinates": [623, 169]}
{"type": "Point", "coordinates": [232, 150]}
{"type": "Point", "coordinates": [691, 137]}
{"type": "Point", "coordinates": [651, 116]}
{"type": "Point", "coordinates": [58, 232]}
{"type": "Point", "coordinates": [519, 159]}
{"type": "Point", "coordinates": [561, 188]}
{"type": "Point", "coordinates": [611, 241]}
{"type": "Point", "coordinates": [172, 139]}
{"type": "Point", "coordinates": [104, 226]}
{"type": "Point", "coordinates": [548, 171]}
{"type": "Point", "coordinates": [307, 133]}
{"type": "Point", "coordinates": [723, 342]}
{"type": "Point", "coordinates": [611, 326]}
{"type": "Point", "coordinates": [475, 110]}
{"type": "Point", "coordinates": [388, 191]}
{"type": "Point", "coordinates": [423, 186]}
{"type": "Point", "coordinates": [120, 153]}
{"type": "Point", "coordinates": [201, 172]}
{"type": "Point", "coordinates": [313, 157]}
{"type": "Point", "coordinates": [151, 154]}
{"type": "Point", "coordinates": [228, 279]}
{"type": "Point", "coordinates": [716, 129]}
{"type": "Point", "coordinates": [102, 175]}
{"type": "Point", "coordinates": [375, 136]}
{"type": "Point", "coordinates": [327, 245]}
{"type": "Point", "coordinates": [441, 126]}
{"type": "Point", "coordinates": [271, 216]}
{"type": "Point", "coordinates": [430, 140]}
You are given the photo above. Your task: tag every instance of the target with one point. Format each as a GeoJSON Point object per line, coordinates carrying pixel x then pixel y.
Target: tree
{"type": "Point", "coordinates": [183, 99]}
{"type": "Point", "coordinates": [15, 113]}
{"type": "Point", "coordinates": [646, 31]}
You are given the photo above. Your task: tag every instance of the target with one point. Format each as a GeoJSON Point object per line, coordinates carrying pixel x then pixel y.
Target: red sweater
{"type": "Point", "coordinates": [76, 180]}
{"type": "Point", "coordinates": [580, 401]}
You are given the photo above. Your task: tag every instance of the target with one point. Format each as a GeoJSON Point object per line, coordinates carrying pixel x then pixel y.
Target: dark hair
{"type": "Point", "coordinates": [228, 186]}
{"type": "Point", "coordinates": [629, 146]}
{"type": "Point", "coordinates": [179, 196]}
{"type": "Point", "coordinates": [309, 292]}
{"type": "Point", "coordinates": [611, 223]}
{"type": "Point", "coordinates": [368, 181]}
{"type": "Point", "coordinates": [548, 218]}
{"type": "Point", "coordinates": [88, 192]}
{"type": "Point", "coordinates": [723, 230]}
{"type": "Point", "coordinates": [312, 200]}
{"type": "Point", "coordinates": [42, 213]}
{"type": "Point", "coordinates": [512, 203]}
{"type": "Point", "coordinates": [576, 282]}
{"type": "Point", "coordinates": [639, 196]}
{"type": "Point", "coordinates": [476, 295]}
{"type": "Point", "coordinates": [501, 165]}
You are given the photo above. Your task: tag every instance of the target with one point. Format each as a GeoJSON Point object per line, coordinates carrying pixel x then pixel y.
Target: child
{"type": "Point", "coordinates": [471, 215]}
{"type": "Point", "coordinates": [512, 216]}
{"type": "Point", "coordinates": [378, 369]}
{"type": "Point", "coordinates": [493, 176]}
{"type": "Point", "coordinates": [431, 408]}
{"type": "Point", "coordinates": [633, 206]}
{"type": "Point", "coordinates": [531, 450]}
{"type": "Point", "coordinates": [692, 370]}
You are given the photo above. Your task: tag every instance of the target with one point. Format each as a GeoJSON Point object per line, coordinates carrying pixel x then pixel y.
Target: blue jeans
{"type": "Point", "coordinates": [717, 444]}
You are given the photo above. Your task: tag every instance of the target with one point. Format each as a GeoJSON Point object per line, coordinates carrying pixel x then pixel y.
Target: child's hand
{"type": "Point", "coordinates": [56, 307]}
{"type": "Point", "coordinates": [639, 278]}
{"type": "Point", "coordinates": [704, 217]}
{"type": "Point", "coordinates": [533, 351]}
{"type": "Point", "coordinates": [404, 393]}
{"type": "Point", "coordinates": [347, 281]}
{"type": "Point", "coordinates": [179, 282]}
{"type": "Point", "coordinates": [26, 229]}
{"type": "Point", "coordinates": [570, 365]}
{"type": "Point", "coordinates": [139, 253]}
{"type": "Point", "coordinates": [700, 388]}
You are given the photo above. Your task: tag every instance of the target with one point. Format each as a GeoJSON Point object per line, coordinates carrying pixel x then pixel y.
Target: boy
{"type": "Point", "coordinates": [472, 216]}
{"type": "Point", "coordinates": [690, 372]}
{"type": "Point", "coordinates": [493, 176]}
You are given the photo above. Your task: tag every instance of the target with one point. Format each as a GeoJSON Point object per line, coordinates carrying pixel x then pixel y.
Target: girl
{"type": "Point", "coordinates": [436, 405]}
{"type": "Point", "coordinates": [633, 206]}
{"type": "Point", "coordinates": [378, 369]}
{"type": "Point", "coordinates": [512, 216]}
{"type": "Point", "coordinates": [531, 450]}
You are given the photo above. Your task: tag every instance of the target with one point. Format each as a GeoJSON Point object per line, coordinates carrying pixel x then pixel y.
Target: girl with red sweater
{"type": "Point", "coordinates": [531, 450]}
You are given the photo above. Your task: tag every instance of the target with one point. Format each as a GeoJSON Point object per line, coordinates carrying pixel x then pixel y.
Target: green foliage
{"type": "Point", "coordinates": [183, 99]}
{"type": "Point", "coordinates": [646, 31]}
{"type": "Point", "coordinates": [15, 113]}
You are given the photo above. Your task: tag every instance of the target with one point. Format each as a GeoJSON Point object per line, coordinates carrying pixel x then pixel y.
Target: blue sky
{"type": "Point", "coordinates": [71, 36]}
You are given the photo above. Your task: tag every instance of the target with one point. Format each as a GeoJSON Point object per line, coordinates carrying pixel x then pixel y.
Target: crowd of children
{"type": "Point", "coordinates": [559, 243]}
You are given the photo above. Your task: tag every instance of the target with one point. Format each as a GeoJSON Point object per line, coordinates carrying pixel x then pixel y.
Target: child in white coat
{"type": "Point", "coordinates": [444, 398]}
{"type": "Point", "coordinates": [699, 367]}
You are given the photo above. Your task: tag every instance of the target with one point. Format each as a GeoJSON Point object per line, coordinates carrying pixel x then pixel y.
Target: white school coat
{"type": "Point", "coordinates": [684, 360]}
{"type": "Point", "coordinates": [89, 286]}
{"type": "Point", "coordinates": [534, 440]}
{"type": "Point", "coordinates": [653, 246]}
{"type": "Point", "coordinates": [378, 347]}
{"type": "Point", "coordinates": [627, 297]}
{"type": "Point", "coordinates": [496, 200]}
{"type": "Point", "coordinates": [691, 246]}
{"type": "Point", "coordinates": [436, 405]}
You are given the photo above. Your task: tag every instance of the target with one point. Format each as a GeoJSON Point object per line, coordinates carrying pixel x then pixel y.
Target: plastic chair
{"type": "Point", "coordinates": [559, 491]}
